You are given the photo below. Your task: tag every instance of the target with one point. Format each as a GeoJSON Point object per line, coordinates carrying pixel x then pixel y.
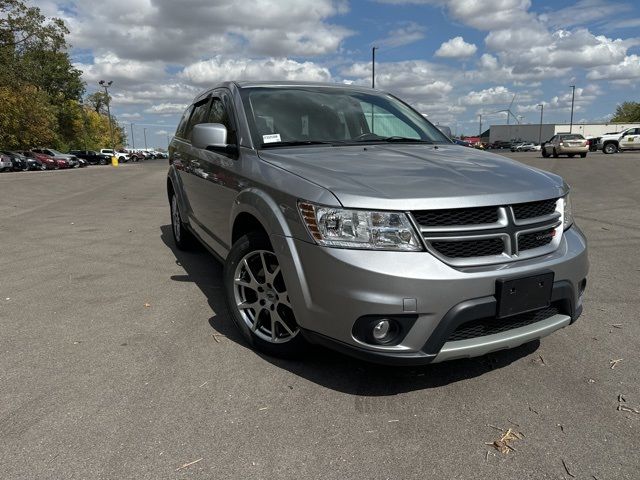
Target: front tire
{"type": "Point", "coordinates": [258, 299]}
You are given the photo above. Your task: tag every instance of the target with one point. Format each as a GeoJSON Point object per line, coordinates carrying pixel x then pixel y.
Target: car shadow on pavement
{"type": "Point", "coordinates": [326, 367]}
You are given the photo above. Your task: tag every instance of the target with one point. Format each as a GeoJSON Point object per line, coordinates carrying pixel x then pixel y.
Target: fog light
{"type": "Point", "coordinates": [381, 330]}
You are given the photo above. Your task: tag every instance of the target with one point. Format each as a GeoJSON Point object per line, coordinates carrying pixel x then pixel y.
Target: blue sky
{"type": "Point", "coordinates": [452, 59]}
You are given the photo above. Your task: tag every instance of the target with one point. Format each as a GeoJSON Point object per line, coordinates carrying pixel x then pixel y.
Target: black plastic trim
{"type": "Point", "coordinates": [381, 357]}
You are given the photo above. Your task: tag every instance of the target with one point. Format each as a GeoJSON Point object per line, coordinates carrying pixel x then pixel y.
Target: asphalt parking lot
{"type": "Point", "coordinates": [118, 358]}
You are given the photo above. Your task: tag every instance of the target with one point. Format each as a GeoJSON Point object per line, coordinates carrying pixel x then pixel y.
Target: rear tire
{"type": "Point", "coordinates": [181, 235]}
{"type": "Point", "coordinates": [571, 155]}
{"type": "Point", "coordinates": [610, 148]}
{"type": "Point", "coordinates": [555, 153]}
{"type": "Point", "coordinates": [544, 153]}
{"type": "Point", "coordinates": [583, 155]}
{"type": "Point", "coordinates": [258, 299]}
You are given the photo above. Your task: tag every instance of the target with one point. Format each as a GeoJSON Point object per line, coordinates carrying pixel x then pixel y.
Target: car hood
{"type": "Point", "coordinates": [411, 177]}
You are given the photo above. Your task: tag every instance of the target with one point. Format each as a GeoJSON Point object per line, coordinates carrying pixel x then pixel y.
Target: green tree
{"type": "Point", "coordinates": [26, 118]}
{"type": "Point", "coordinates": [627, 112]}
{"type": "Point", "coordinates": [98, 101]}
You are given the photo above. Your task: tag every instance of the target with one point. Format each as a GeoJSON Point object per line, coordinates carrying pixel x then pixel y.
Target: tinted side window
{"type": "Point", "coordinates": [180, 131]}
{"type": "Point", "coordinates": [199, 115]}
{"type": "Point", "coordinates": [220, 114]}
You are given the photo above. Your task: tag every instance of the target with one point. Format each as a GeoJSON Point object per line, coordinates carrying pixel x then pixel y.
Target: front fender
{"type": "Point", "coordinates": [265, 209]}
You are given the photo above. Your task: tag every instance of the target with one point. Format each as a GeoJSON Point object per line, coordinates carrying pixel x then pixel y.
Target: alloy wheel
{"type": "Point", "coordinates": [262, 298]}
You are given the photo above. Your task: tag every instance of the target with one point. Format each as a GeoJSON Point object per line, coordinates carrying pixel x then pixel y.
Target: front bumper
{"type": "Point", "coordinates": [331, 288]}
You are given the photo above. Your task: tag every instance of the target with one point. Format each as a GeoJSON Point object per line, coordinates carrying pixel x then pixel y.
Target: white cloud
{"type": "Point", "coordinates": [208, 72]}
{"type": "Point", "coordinates": [627, 69]}
{"type": "Point", "coordinates": [456, 48]}
{"type": "Point", "coordinates": [489, 96]}
{"type": "Point", "coordinates": [120, 70]}
{"type": "Point", "coordinates": [174, 32]}
{"type": "Point", "coordinates": [409, 33]}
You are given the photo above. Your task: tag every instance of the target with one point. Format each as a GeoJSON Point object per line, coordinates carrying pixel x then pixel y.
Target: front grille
{"type": "Point", "coordinates": [524, 211]}
{"type": "Point", "coordinates": [456, 216]}
{"type": "Point", "coordinates": [469, 248]}
{"type": "Point", "coordinates": [531, 240]}
{"type": "Point", "coordinates": [490, 326]}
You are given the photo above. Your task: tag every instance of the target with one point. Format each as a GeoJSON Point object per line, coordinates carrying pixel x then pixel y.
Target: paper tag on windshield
{"type": "Point", "coordinates": [271, 138]}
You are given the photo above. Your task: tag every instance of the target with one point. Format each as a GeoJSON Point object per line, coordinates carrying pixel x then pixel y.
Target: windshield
{"type": "Point", "coordinates": [281, 116]}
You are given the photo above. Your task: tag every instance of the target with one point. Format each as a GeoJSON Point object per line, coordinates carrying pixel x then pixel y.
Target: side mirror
{"type": "Point", "coordinates": [213, 137]}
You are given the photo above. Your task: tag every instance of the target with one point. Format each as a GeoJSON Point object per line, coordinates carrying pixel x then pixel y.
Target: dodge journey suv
{"type": "Point", "coordinates": [345, 218]}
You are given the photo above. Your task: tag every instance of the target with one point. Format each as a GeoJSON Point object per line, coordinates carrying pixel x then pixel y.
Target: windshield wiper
{"type": "Point", "coordinates": [404, 139]}
{"type": "Point", "coordinates": [372, 137]}
{"type": "Point", "coordinates": [295, 143]}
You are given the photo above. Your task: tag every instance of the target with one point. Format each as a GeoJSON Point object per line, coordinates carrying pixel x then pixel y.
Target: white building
{"type": "Point", "coordinates": [532, 132]}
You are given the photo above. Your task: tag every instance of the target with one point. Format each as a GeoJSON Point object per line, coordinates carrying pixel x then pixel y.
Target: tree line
{"type": "Point", "coordinates": [42, 99]}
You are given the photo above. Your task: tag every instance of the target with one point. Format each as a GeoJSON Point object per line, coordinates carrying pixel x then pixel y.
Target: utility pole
{"type": "Point", "coordinates": [540, 131]}
{"type": "Point", "coordinates": [133, 140]}
{"type": "Point", "coordinates": [573, 96]}
{"type": "Point", "coordinates": [373, 67]}
{"type": "Point", "coordinates": [145, 138]}
{"type": "Point", "coordinates": [106, 86]}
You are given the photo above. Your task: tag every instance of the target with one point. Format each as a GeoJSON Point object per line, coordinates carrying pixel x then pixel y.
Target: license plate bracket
{"type": "Point", "coordinates": [525, 294]}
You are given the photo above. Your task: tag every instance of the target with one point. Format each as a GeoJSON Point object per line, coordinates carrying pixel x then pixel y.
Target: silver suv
{"type": "Point", "coordinates": [344, 218]}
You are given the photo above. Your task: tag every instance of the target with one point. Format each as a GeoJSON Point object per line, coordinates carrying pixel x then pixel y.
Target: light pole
{"type": "Point", "coordinates": [373, 67]}
{"type": "Point", "coordinates": [540, 131]}
{"type": "Point", "coordinates": [480, 127]}
{"type": "Point", "coordinates": [133, 140]}
{"type": "Point", "coordinates": [145, 138]}
{"type": "Point", "coordinates": [106, 86]}
{"type": "Point", "coordinates": [84, 124]}
{"type": "Point", "coordinates": [573, 96]}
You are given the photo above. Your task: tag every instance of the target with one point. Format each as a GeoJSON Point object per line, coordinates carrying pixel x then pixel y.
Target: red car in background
{"type": "Point", "coordinates": [49, 163]}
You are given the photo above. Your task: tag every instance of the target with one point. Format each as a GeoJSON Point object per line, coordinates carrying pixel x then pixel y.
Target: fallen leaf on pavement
{"type": "Point", "coordinates": [188, 464]}
{"type": "Point", "coordinates": [613, 363]}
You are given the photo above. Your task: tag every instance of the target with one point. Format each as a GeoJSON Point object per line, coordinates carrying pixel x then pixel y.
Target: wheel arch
{"type": "Point", "coordinates": [255, 210]}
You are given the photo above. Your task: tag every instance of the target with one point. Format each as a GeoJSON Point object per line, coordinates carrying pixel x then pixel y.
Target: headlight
{"type": "Point", "coordinates": [337, 227]}
{"type": "Point", "coordinates": [567, 213]}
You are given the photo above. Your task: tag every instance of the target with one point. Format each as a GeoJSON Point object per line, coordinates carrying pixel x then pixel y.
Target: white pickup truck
{"type": "Point", "coordinates": [615, 142]}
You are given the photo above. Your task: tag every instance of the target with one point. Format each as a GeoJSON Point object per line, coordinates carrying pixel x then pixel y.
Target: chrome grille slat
{"type": "Point", "coordinates": [500, 234]}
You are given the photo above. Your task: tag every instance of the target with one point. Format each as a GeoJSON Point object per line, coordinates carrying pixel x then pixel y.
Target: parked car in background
{"type": "Point", "coordinates": [523, 147]}
{"type": "Point", "coordinates": [121, 156]}
{"type": "Point", "coordinates": [19, 162]}
{"type": "Point", "coordinates": [499, 145]}
{"type": "Point", "coordinates": [6, 165]}
{"type": "Point", "coordinates": [30, 162]}
{"type": "Point", "coordinates": [92, 157]}
{"type": "Point", "coordinates": [70, 161]}
{"type": "Point", "coordinates": [47, 162]}
{"type": "Point", "coordinates": [570, 144]}
{"type": "Point", "coordinates": [615, 142]}
{"type": "Point", "coordinates": [462, 143]}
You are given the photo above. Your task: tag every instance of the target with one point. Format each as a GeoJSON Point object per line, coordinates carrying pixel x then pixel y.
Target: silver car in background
{"type": "Point", "coordinates": [344, 218]}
